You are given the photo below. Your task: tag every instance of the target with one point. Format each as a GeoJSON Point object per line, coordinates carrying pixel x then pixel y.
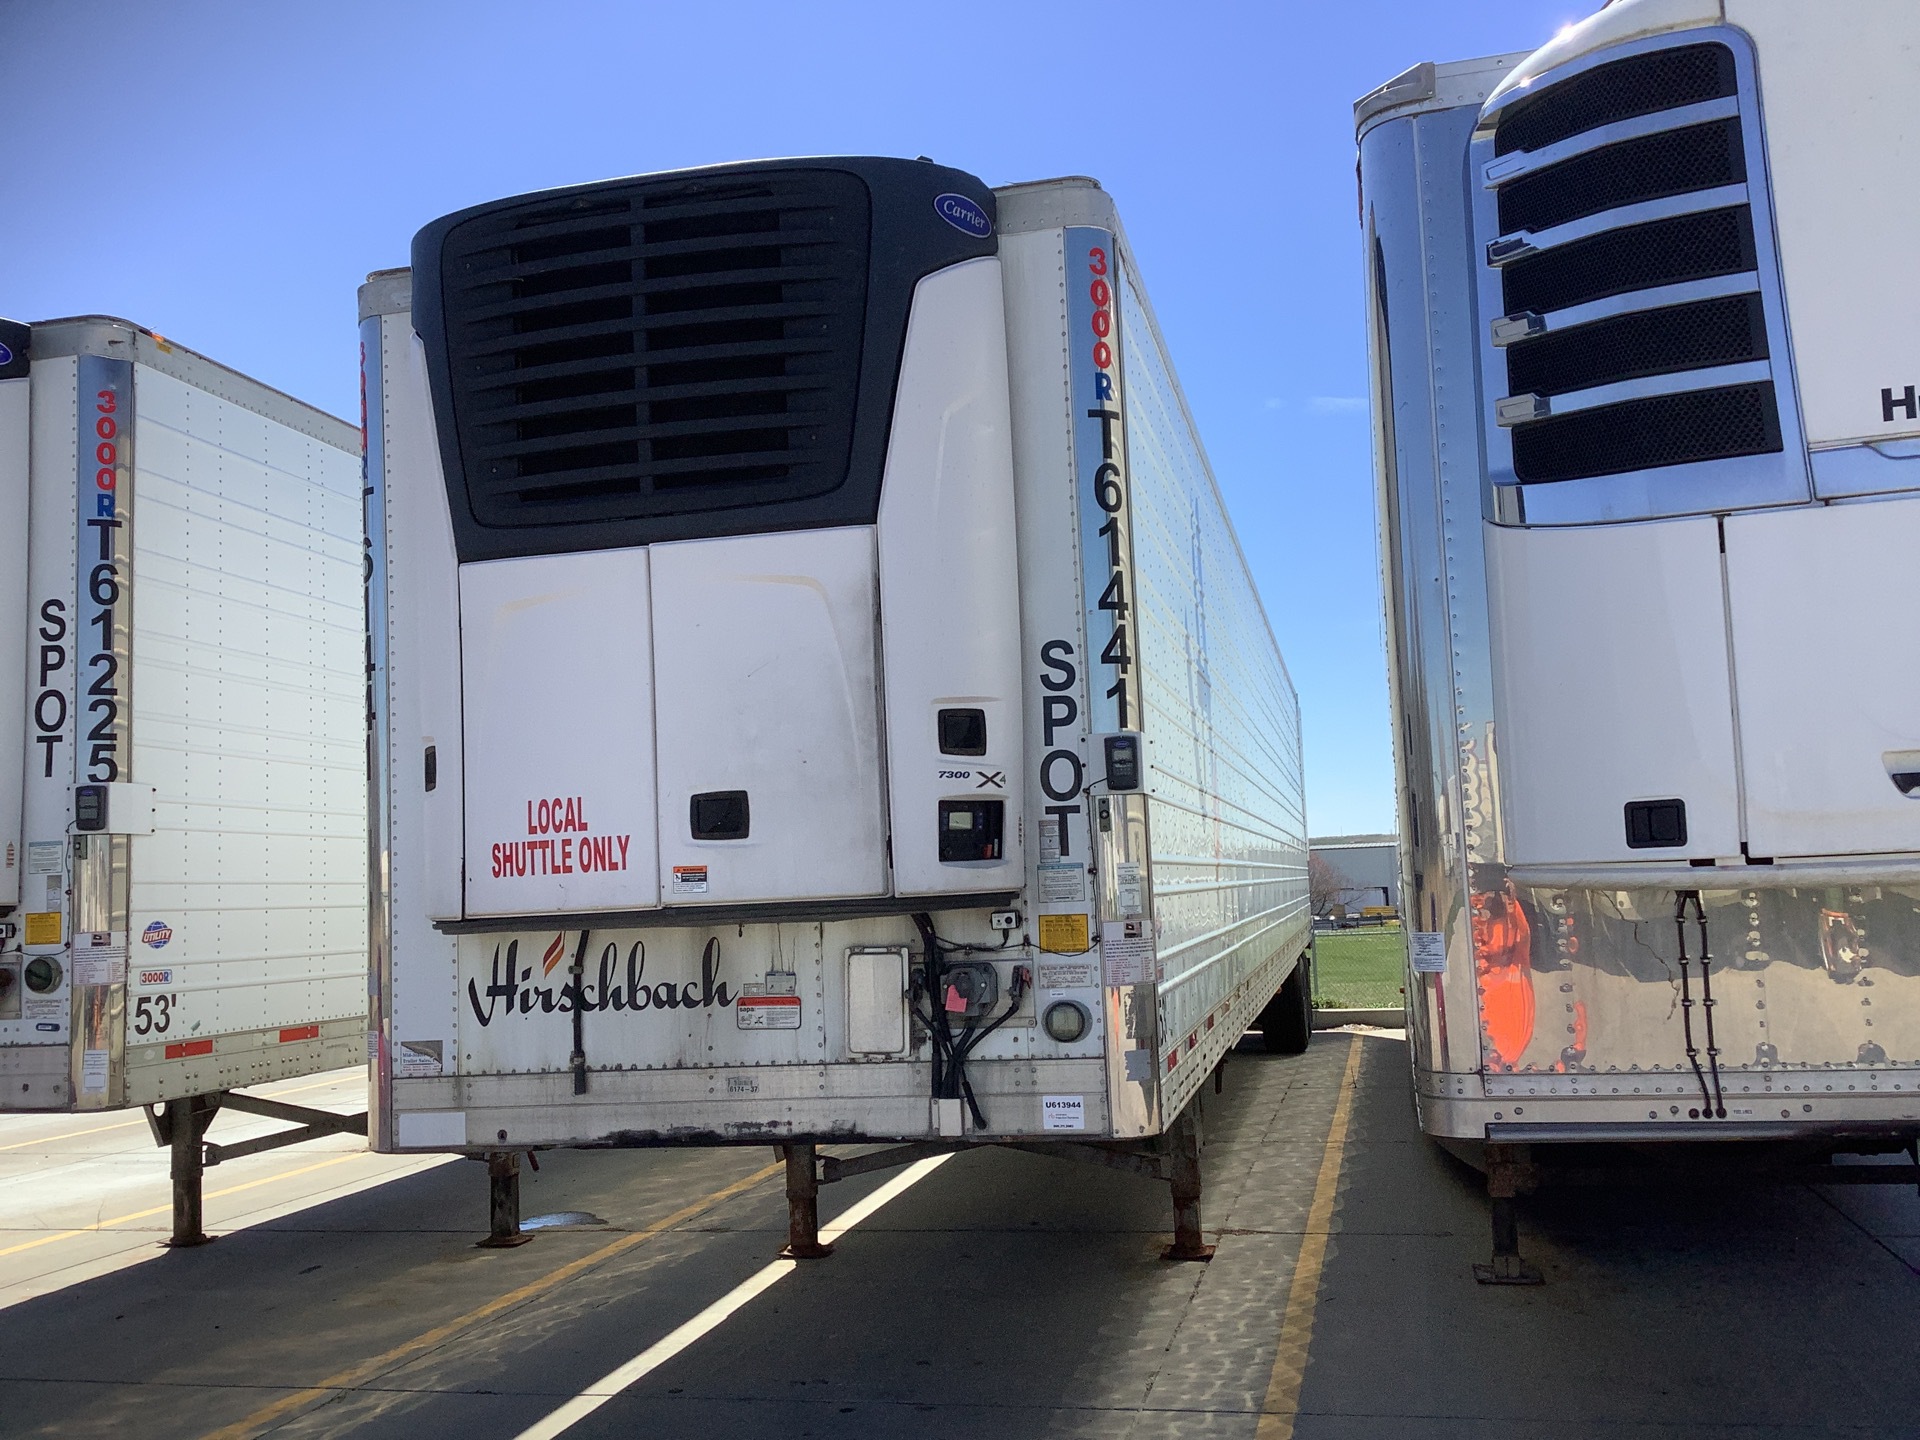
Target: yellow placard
{"type": "Point", "coordinates": [43, 927]}
{"type": "Point", "coordinates": [1064, 934]}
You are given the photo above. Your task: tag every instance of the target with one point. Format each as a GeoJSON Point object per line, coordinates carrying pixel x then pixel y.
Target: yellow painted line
{"type": "Point", "coordinates": [1282, 1405]}
{"type": "Point", "coordinates": [167, 1209]}
{"type": "Point", "coordinates": [72, 1135]}
{"type": "Point", "coordinates": [354, 1375]}
{"type": "Point", "coordinates": [128, 1124]}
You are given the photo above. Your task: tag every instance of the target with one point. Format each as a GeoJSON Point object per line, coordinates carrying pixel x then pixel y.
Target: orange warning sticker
{"type": "Point", "coordinates": [43, 927]}
{"type": "Point", "coordinates": [1064, 934]}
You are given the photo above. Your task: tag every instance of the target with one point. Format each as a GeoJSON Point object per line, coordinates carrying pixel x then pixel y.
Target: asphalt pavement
{"type": "Point", "coordinates": [994, 1294]}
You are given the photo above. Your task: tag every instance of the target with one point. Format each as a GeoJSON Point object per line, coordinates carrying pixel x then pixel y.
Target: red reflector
{"type": "Point", "coordinates": [300, 1032]}
{"type": "Point", "coordinates": [1173, 1057]}
{"type": "Point", "coordinates": [1209, 1022]}
{"type": "Point", "coordinates": [188, 1048]}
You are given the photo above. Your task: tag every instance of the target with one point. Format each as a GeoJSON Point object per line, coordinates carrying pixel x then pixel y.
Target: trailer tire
{"type": "Point", "coordinates": [1286, 1025]}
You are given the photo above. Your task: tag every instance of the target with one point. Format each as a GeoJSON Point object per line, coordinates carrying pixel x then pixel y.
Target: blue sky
{"type": "Point", "coordinates": [226, 173]}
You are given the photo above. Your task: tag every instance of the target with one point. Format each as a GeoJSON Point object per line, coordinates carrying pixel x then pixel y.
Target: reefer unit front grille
{"type": "Point", "coordinates": [1617, 90]}
{"type": "Point", "coordinates": [673, 346]}
{"type": "Point", "coordinates": [1622, 226]}
{"type": "Point", "coordinates": [699, 353]}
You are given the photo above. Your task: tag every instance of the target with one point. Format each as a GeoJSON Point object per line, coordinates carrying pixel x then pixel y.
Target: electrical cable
{"type": "Point", "coordinates": [1686, 994]}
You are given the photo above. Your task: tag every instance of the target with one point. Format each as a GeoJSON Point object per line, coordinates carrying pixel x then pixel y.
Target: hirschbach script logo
{"type": "Point", "coordinates": [618, 987]}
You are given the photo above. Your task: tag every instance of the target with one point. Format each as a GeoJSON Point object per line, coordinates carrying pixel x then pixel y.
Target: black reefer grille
{"type": "Point", "coordinates": [676, 356]}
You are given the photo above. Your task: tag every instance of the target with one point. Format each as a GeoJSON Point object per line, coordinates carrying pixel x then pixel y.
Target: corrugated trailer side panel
{"type": "Point", "coordinates": [1227, 809]}
{"type": "Point", "coordinates": [248, 903]}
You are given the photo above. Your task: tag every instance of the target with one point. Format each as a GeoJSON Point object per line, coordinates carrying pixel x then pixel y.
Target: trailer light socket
{"type": "Point", "coordinates": [1066, 1021]}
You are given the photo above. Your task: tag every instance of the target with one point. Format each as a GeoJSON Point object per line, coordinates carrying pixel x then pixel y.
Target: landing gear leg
{"type": "Point", "coordinates": [180, 1125]}
{"type": "Point", "coordinates": [503, 1201]}
{"type": "Point", "coordinates": [803, 1205]}
{"type": "Point", "coordinates": [1184, 1173]}
{"type": "Point", "coordinates": [1510, 1173]}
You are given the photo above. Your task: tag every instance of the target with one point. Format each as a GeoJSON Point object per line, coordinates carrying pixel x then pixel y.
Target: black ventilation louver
{"type": "Point", "coordinates": [1609, 253]}
{"type": "Point", "coordinates": [676, 356]}
{"type": "Point", "coordinates": [1618, 90]}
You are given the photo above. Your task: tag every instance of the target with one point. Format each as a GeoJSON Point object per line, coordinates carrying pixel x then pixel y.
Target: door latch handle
{"type": "Point", "coordinates": [1903, 769]}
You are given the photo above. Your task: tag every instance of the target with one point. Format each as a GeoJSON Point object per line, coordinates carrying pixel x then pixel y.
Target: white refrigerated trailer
{"type": "Point", "coordinates": [818, 692]}
{"type": "Point", "coordinates": [182, 786]}
{"type": "Point", "coordinates": [1649, 480]}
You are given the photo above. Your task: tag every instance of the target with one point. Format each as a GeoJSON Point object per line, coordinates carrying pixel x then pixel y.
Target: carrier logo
{"type": "Point", "coordinates": [156, 934]}
{"type": "Point", "coordinates": [965, 216]}
{"type": "Point", "coordinates": [6, 354]}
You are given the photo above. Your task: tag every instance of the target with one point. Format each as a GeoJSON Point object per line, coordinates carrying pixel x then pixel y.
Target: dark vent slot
{"type": "Point", "coordinates": [1635, 257]}
{"type": "Point", "coordinates": [1675, 162]}
{"type": "Point", "coordinates": [1725, 331]}
{"type": "Point", "coordinates": [672, 349]}
{"type": "Point", "coordinates": [1619, 90]}
{"type": "Point", "coordinates": [1646, 434]}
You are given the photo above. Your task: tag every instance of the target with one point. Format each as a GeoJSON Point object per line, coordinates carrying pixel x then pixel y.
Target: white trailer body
{"type": "Point", "coordinates": [1649, 465]}
{"type": "Point", "coordinates": [183, 791]}
{"type": "Point", "coordinates": [818, 693]}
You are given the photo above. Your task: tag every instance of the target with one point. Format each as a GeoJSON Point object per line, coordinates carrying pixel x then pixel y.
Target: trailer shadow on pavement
{"type": "Point", "coordinates": [1010, 1294]}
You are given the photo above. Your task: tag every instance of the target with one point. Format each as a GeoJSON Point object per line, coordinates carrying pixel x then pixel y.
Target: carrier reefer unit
{"type": "Point", "coordinates": [818, 693]}
{"type": "Point", "coordinates": [182, 792]}
{"type": "Point", "coordinates": [1649, 481]}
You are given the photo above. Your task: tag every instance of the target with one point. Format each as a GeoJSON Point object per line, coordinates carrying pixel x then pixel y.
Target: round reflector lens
{"type": "Point", "coordinates": [1066, 1021]}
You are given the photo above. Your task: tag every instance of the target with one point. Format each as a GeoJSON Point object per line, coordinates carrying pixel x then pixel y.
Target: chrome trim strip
{"type": "Point", "coordinates": [1659, 298]}
{"type": "Point", "coordinates": [1668, 207]}
{"type": "Point", "coordinates": [1781, 875]}
{"type": "Point", "coordinates": [1647, 386]}
{"type": "Point", "coordinates": [1519, 164]}
{"type": "Point", "coordinates": [1884, 468]}
{"type": "Point", "coordinates": [1591, 1132]}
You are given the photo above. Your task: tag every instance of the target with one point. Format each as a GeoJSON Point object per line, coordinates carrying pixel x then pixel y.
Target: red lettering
{"type": "Point", "coordinates": [105, 427]}
{"type": "Point", "coordinates": [1102, 296]}
{"type": "Point", "coordinates": [1102, 356]}
{"type": "Point", "coordinates": [623, 839]}
{"type": "Point", "coordinates": [1097, 260]}
{"type": "Point", "coordinates": [566, 857]}
{"type": "Point", "coordinates": [1102, 324]}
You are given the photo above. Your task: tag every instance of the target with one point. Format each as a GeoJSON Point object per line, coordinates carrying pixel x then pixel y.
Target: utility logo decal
{"type": "Point", "coordinates": [965, 216]}
{"type": "Point", "coordinates": [157, 934]}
